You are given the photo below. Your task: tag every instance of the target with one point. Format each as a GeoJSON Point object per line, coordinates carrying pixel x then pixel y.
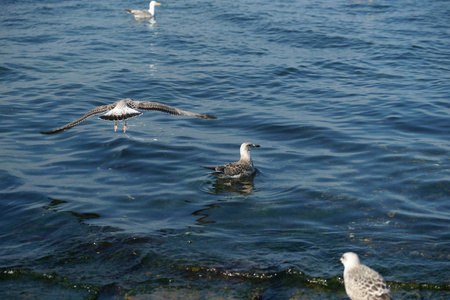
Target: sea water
{"type": "Point", "coordinates": [349, 101]}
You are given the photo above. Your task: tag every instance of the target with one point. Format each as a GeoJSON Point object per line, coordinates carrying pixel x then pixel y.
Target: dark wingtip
{"type": "Point", "coordinates": [52, 132]}
{"type": "Point", "coordinates": [208, 117]}
{"type": "Point", "coordinates": [48, 132]}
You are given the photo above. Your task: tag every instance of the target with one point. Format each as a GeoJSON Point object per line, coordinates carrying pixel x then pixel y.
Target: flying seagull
{"type": "Point", "coordinates": [142, 13]}
{"type": "Point", "coordinates": [125, 109]}
{"type": "Point", "coordinates": [362, 282]}
{"type": "Point", "coordinates": [241, 168]}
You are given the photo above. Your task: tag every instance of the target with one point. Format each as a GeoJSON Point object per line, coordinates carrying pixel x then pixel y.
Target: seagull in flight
{"type": "Point", "coordinates": [125, 109]}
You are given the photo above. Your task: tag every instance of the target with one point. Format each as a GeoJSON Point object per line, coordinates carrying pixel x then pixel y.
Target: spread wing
{"type": "Point", "coordinates": [95, 111]}
{"type": "Point", "coordinates": [147, 105]}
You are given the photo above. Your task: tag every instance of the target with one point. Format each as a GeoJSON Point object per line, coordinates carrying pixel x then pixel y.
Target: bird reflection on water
{"type": "Point", "coordinates": [243, 186]}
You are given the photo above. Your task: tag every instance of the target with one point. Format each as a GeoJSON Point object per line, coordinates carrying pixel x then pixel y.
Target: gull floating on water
{"type": "Point", "coordinates": [142, 13]}
{"type": "Point", "coordinates": [125, 109]}
{"type": "Point", "coordinates": [243, 167]}
{"type": "Point", "coordinates": [362, 282]}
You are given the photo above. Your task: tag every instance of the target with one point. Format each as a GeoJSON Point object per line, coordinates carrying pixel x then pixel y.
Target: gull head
{"type": "Point", "coordinates": [350, 260]}
{"type": "Point", "coordinates": [245, 151]}
{"type": "Point", "coordinates": [248, 146]}
{"type": "Point", "coordinates": [153, 3]}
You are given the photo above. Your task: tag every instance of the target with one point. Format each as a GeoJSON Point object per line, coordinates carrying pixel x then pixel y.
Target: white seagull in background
{"type": "Point", "coordinates": [125, 109]}
{"type": "Point", "coordinates": [362, 282]}
{"type": "Point", "coordinates": [241, 168]}
{"type": "Point", "coordinates": [142, 13]}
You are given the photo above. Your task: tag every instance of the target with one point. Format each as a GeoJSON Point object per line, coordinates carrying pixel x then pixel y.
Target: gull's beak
{"type": "Point", "coordinates": [256, 146]}
{"type": "Point", "coordinates": [157, 3]}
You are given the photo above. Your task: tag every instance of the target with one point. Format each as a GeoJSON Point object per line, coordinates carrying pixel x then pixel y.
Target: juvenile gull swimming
{"type": "Point", "coordinates": [243, 167]}
{"type": "Point", "coordinates": [142, 13]}
{"type": "Point", "coordinates": [125, 109]}
{"type": "Point", "coordinates": [362, 282]}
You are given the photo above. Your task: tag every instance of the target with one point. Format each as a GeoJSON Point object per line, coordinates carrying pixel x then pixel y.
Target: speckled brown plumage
{"type": "Point", "coordinates": [243, 167]}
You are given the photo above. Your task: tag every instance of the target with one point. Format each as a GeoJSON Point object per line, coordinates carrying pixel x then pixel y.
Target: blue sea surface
{"type": "Point", "coordinates": [349, 100]}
